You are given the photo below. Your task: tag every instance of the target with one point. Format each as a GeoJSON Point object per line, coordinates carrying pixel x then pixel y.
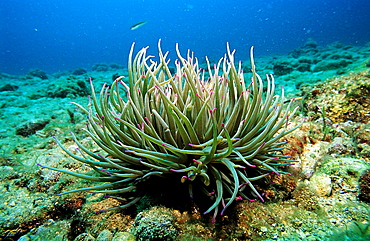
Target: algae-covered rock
{"type": "Point", "coordinates": [31, 127]}
{"type": "Point", "coordinates": [352, 231]}
{"type": "Point", "coordinates": [21, 210]}
{"type": "Point", "coordinates": [38, 73]}
{"type": "Point", "coordinates": [341, 146]}
{"type": "Point", "coordinates": [8, 87]}
{"type": "Point", "coordinates": [63, 87]}
{"type": "Point", "coordinates": [365, 186]}
{"type": "Point", "coordinates": [125, 236]}
{"type": "Point", "coordinates": [344, 172]}
{"type": "Point", "coordinates": [284, 66]}
{"type": "Point", "coordinates": [155, 224]}
{"type": "Point", "coordinates": [105, 235]}
{"type": "Point", "coordinates": [79, 71]}
{"type": "Point", "coordinates": [367, 62]}
{"type": "Point", "coordinates": [100, 67]}
{"type": "Point", "coordinates": [85, 237]}
{"type": "Point", "coordinates": [321, 184]}
{"type": "Point", "coordinates": [345, 98]}
{"type": "Point", "coordinates": [68, 87]}
{"type": "Point", "coordinates": [345, 167]}
{"type": "Point", "coordinates": [331, 64]}
{"type": "Point", "coordinates": [309, 48]}
{"type": "Point", "coordinates": [362, 139]}
{"type": "Point", "coordinates": [50, 231]}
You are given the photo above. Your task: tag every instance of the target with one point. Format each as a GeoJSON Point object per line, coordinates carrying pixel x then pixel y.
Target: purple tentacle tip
{"type": "Point", "coordinates": [197, 161]}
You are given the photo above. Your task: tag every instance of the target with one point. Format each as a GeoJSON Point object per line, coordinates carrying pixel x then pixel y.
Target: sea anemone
{"type": "Point", "coordinates": [196, 124]}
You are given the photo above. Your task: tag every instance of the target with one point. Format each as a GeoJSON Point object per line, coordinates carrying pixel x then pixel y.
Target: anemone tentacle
{"type": "Point", "coordinates": [196, 124]}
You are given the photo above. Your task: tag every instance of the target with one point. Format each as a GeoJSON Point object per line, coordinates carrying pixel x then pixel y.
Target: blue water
{"type": "Point", "coordinates": [57, 35]}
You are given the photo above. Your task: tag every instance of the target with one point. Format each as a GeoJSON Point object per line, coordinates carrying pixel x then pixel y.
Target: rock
{"type": "Point", "coordinates": [31, 127]}
{"type": "Point", "coordinates": [125, 236]}
{"type": "Point", "coordinates": [310, 48]}
{"type": "Point", "coordinates": [105, 235]}
{"type": "Point", "coordinates": [51, 230]}
{"type": "Point", "coordinates": [321, 184]}
{"type": "Point", "coordinates": [310, 44]}
{"type": "Point", "coordinates": [79, 71]}
{"type": "Point", "coordinates": [84, 237]}
{"type": "Point", "coordinates": [362, 139]}
{"type": "Point", "coordinates": [365, 186]}
{"type": "Point", "coordinates": [100, 67]}
{"type": "Point", "coordinates": [331, 64]}
{"type": "Point", "coordinates": [8, 87]}
{"type": "Point", "coordinates": [345, 98]}
{"type": "Point", "coordinates": [367, 62]}
{"type": "Point", "coordinates": [155, 224]}
{"type": "Point", "coordinates": [341, 146]}
{"type": "Point", "coordinates": [347, 168]}
{"type": "Point", "coordinates": [7, 172]}
{"type": "Point", "coordinates": [67, 87]}
{"type": "Point", "coordinates": [115, 66]}
{"type": "Point", "coordinates": [346, 171]}
{"type": "Point", "coordinates": [302, 67]}
{"type": "Point", "coordinates": [284, 66]}
{"type": "Point", "coordinates": [38, 73]}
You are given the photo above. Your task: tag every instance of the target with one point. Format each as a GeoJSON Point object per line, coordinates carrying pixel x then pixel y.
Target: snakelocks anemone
{"type": "Point", "coordinates": [196, 124]}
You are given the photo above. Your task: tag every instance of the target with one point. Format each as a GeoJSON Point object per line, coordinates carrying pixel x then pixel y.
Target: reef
{"type": "Point", "coordinates": [341, 99]}
{"type": "Point", "coordinates": [325, 198]}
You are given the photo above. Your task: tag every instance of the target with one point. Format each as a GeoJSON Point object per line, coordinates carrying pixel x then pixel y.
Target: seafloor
{"type": "Point", "coordinates": [326, 198]}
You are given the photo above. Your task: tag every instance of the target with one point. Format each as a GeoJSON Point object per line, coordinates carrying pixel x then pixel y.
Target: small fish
{"type": "Point", "coordinates": [138, 25]}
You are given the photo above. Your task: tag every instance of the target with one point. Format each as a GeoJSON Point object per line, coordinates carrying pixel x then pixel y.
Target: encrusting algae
{"type": "Point", "coordinates": [345, 99]}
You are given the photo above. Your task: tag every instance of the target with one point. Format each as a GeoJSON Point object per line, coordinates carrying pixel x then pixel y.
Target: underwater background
{"type": "Point", "coordinates": [58, 35]}
{"type": "Point", "coordinates": [319, 51]}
